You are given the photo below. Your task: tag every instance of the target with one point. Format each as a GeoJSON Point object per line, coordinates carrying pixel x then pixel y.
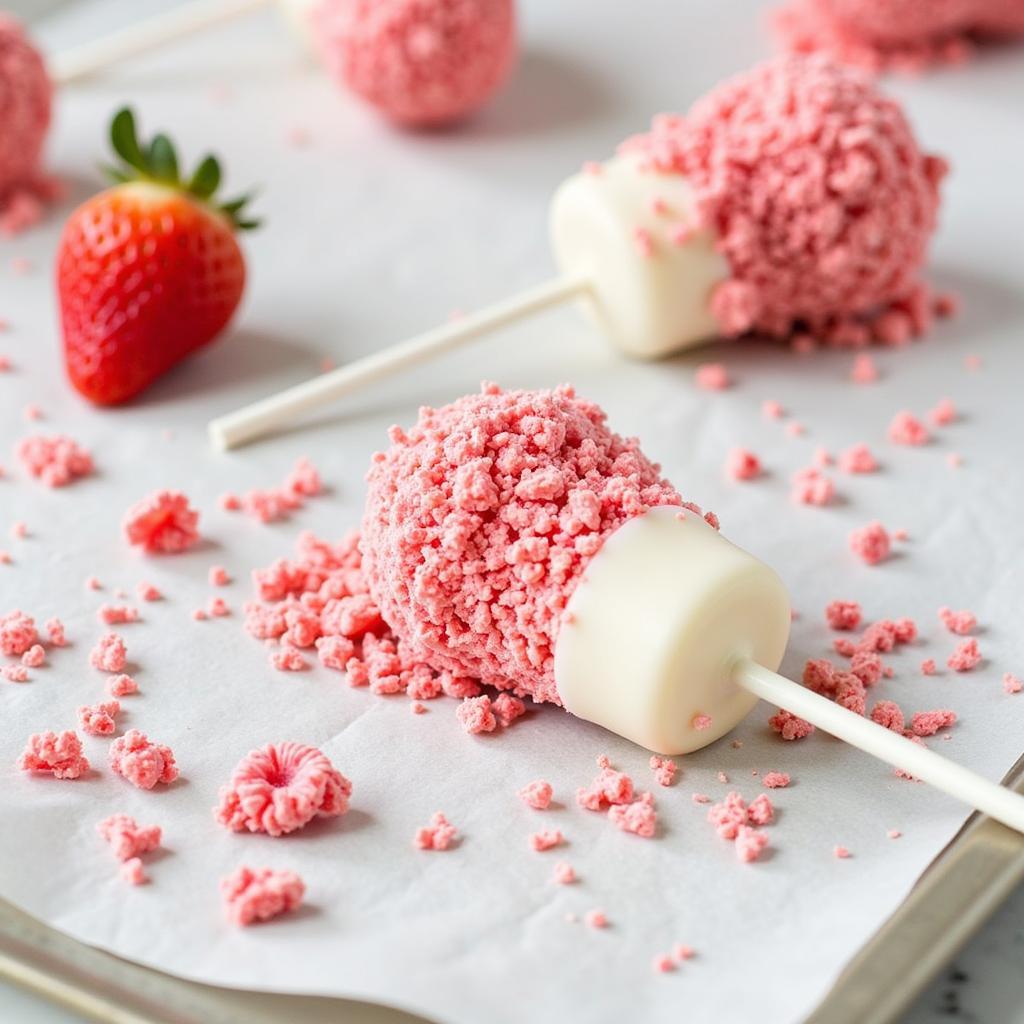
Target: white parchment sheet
{"type": "Point", "coordinates": [370, 235]}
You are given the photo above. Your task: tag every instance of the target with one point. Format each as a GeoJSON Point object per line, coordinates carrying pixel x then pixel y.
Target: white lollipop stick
{"type": "Point", "coordinates": [147, 35]}
{"type": "Point", "coordinates": [271, 413]}
{"type": "Point", "coordinates": [961, 783]}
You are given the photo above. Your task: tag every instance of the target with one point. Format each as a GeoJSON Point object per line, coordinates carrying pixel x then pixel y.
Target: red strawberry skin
{"type": "Point", "coordinates": [146, 275]}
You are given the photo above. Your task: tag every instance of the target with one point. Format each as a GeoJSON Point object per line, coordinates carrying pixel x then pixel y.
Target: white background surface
{"type": "Point", "coordinates": [371, 235]}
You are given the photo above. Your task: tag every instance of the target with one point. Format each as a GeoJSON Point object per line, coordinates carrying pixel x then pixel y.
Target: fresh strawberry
{"type": "Point", "coordinates": [148, 271]}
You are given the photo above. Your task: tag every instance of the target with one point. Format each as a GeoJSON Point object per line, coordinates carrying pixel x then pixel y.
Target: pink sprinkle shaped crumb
{"type": "Point", "coordinates": [750, 842]}
{"type": "Point", "coordinates": [536, 794]}
{"type": "Point", "coordinates": [638, 817]}
{"type": "Point", "coordinates": [133, 872]}
{"type": "Point", "coordinates": [775, 780]}
{"type": "Point", "coordinates": [928, 723]}
{"type": "Point", "coordinates": [34, 656]}
{"type": "Point", "coordinates": [127, 838]}
{"type": "Point", "coordinates": [564, 874]}
{"type": "Point", "coordinates": [712, 377]}
{"type": "Point", "coordinates": [122, 685]}
{"type": "Point", "coordinates": [961, 622]}
{"type": "Point", "coordinates": [664, 769]}
{"type": "Point", "coordinates": [438, 835]}
{"type": "Point", "coordinates": [944, 413]}
{"type": "Point", "coordinates": [98, 719]}
{"type": "Point", "coordinates": [906, 428]}
{"type": "Point", "coordinates": [789, 726]}
{"type": "Point", "coordinates": [143, 763]}
{"type": "Point", "coordinates": [843, 615]}
{"type": "Point", "coordinates": [475, 715]}
{"type": "Point", "coordinates": [109, 654]}
{"type": "Point", "coordinates": [55, 461]}
{"type": "Point", "coordinates": [61, 756]}
{"type": "Point", "coordinates": [871, 543]}
{"type": "Point", "coordinates": [741, 464]}
{"type": "Point", "coordinates": [1011, 684]}
{"type": "Point", "coordinates": [857, 459]}
{"type": "Point", "coordinates": [162, 523]}
{"type": "Point", "coordinates": [928, 667]}
{"type": "Point", "coordinates": [595, 919]}
{"type": "Point", "coordinates": [546, 839]}
{"type": "Point", "coordinates": [259, 894]}
{"type": "Point", "coordinates": [280, 788]}
{"type": "Point", "coordinates": [965, 656]}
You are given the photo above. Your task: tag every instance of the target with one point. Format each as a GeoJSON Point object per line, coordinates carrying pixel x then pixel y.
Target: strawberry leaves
{"type": "Point", "coordinates": [157, 162]}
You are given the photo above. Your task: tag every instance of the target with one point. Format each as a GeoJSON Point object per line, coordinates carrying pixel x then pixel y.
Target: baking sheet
{"type": "Point", "coordinates": [371, 235]}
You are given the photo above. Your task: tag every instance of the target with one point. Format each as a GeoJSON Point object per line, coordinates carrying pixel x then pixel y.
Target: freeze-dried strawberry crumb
{"type": "Point", "coordinates": [961, 622]}
{"type": "Point", "coordinates": [230, 502]}
{"type": "Point", "coordinates": [850, 693]}
{"type": "Point", "coordinates": [864, 369]}
{"type": "Point", "coordinates": [728, 816]}
{"type": "Point", "coordinates": [258, 894]}
{"type": "Point", "coordinates": [507, 709]}
{"type": "Point", "coordinates": [536, 794]}
{"type": "Point", "coordinates": [127, 838]}
{"type": "Point", "coordinates": [928, 667]}
{"type": "Point", "coordinates": [750, 842]}
{"type": "Point", "coordinates": [114, 615]}
{"type": "Point", "coordinates": [122, 686]}
{"type": "Point", "coordinates": [741, 464]}
{"type": "Point", "coordinates": [98, 719]}
{"type": "Point", "coordinates": [843, 615]}
{"type": "Point", "coordinates": [789, 726]}
{"type": "Point", "coordinates": [701, 722]}
{"type": "Point", "coordinates": [148, 592]}
{"type": "Point", "coordinates": [288, 659]}
{"type": "Point", "coordinates": [564, 873]}
{"type": "Point", "coordinates": [280, 788]}
{"type": "Point", "coordinates": [1011, 684]}
{"type": "Point", "coordinates": [867, 667]}
{"type": "Point", "coordinates": [928, 723]}
{"type": "Point", "coordinates": [595, 919]}
{"type": "Point", "coordinates": [944, 413]}
{"type": "Point", "coordinates": [163, 522]}
{"type": "Point", "coordinates": [712, 377]}
{"type": "Point", "coordinates": [143, 763]}
{"type": "Point", "coordinates": [906, 428]}
{"type": "Point", "coordinates": [965, 656]}
{"type": "Point", "coordinates": [761, 811]}
{"type": "Point", "coordinates": [417, 708]}
{"type": "Point", "coordinates": [55, 461]}
{"type": "Point", "coordinates": [133, 872]}
{"type": "Point", "coordinates": [610, 787]}
{"type": "Point", "coordinates": [14, 673]}
{"type": "Point", "coordinates": [438, 835]}
{"type": "Point", "coordinates": [857, 459]}
{"type": "Point", "coordinates": [546, 839]}
{"type": "Point", "coordinates": [475, 715]}
{"type": "Point", "coordinates": [663, 963]}
{"type": "Point", "coordinates": [638, 817]}
{"type": "Point", "coordinates": [819, 676]}
{"type": "Point", "coordinates": [841, 853]}
{"type": "Point", "coordinates": [17, 633]}
{"type": "Point", "coordinates": [664, 769]}
{"type": "Point", "coordinates": [870, 543]}
{"type": "Point", "coordinates": [888, 714]}
{"type": "Point", "coordinates": [109, 654]}
{"type": "Point", "coordinates": [775, 780]}
{"type": "Point", "coordinates": [772, 410]}
{"type": "Point", "coordinates": [812, 487]}
{"type": "Point", "coordinates": [60, 756]}
{"type": "Point", "coordinates": [218, 576]}
{"type": "Point", "coordinates": [34, 656]}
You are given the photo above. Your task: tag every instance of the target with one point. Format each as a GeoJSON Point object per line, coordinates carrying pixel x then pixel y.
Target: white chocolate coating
{"type": "Point", "coordinates": [651, 305]}
{"type": "Point", "coordinates": [653, 629]}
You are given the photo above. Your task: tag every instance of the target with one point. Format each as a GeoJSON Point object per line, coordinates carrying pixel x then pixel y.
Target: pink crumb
{"type": "Point", "coordinates": [564, 874]}
{"type": "Point", "coordinates": [163, 522]}
{"type": "Point", "coordinates": [19, 530]}
{"type": "Point", "coordinates": [965, 656]}
{"type": "Point", "coordinates": [954, 460]}
{"type": "Point", "coordinates": [664, 964]}
{"type": "Point", "coordinates": [122, 685]}
{"type": "Point", "coordinates": [664, 769]}
{"type": "Point", "coordinates": [141, 762]}
{"type": "Point", "coordinates": [17, 633]}
{"type": "Point", "coordinates": [857, 459]}
{"type": "Point", "coordinates": [928, 723]}
{"type": "Point", "coordinates": [843, 615]}
{"type": "Point", "coordinates": [218, 576]}
{"type": "Point", "coordinates": [789, 726]}
{"type": "Point", "coordinates": [610, 787]}
{"type": "Point", "coordinates": [973, 362]}
{"type": "Point", "coordinates": [795, 429]}
{"type": "Point", "coordinates": [595, 919]}
{"type": "Point", "coordinates": [60, 756]}
{"type": "Point", "coordinates": [961, 622]}
{"type": "Point", "coordinates": [643, 243]}
{"type": "Point", "coordinates": [98, 719]}
{"type": "Point", "coordinates": [741, 464]}
{"type": "Point", "coordinates": [712, 377]}
{"type": "Point", "coordinates": [887, 713]}
{"type": "Point", "coordinates": [1011, 684]}
{"type": "Point", "coordinates": [728, 816]}
{"type": "Point", "coordinates": [507, 709]}
{"type": "Point", "coordinates": [775, 780]}
{"type": "Point", "coordinates": [894, 833]}
{"type": "Point", "coordinates": [475, 715]}
{"type": "Point", "coordinates": [841, 853]}
{"type": "Point", "coordinates": [944, 413]}
{"type": "Point", "coordinates": [701, 722]}
{"type": "Point", "coordinates": [536, 794]}
{"type": "Point", "coordinates": [871, 543]}
{"type": "Point", "coordinates": [114, 615]}
{"type": "Point", "coordinates": [438, 835]}
{"type": "Point", "coordinates": [700, 798]}
{"type": "Point", "coordinates": [681, 952]}
{"type": "Point", "coordinates": [750, 842]}
{"type": "Point", "coordinates": [417, 708]}
{"type": "Point", "coordinates": [772, 410]}
{"type": "Point", "coordinates": [34, 656]}
{"type": "Point", "coordinates": [148, 592]}
{"type": "Point", "coordinates": [546, 839]}
{"type": "Point", "coordinates": [217, 607]}
{"type": "Point", "coordinates": [14, 673]}
{"type": "Point", "coordinates": [280, 788]}
{"type": "Point", "coordinates": [230, 502]}
{"type": "Point", "coordinates": [133, 872]}
{"type": "Point", "coordinates": [638, 817]}
{"type": "Point", "coordinates": [906, 428]}
{"type": "Point", "coordinates": [761, 811]}
{"type": "Point", "coordinates": [864, 369]}
{"type": "Point", "coordinates": [92, 583]}
{"type": "Point", "coordinates": [928, 667]}
{"type": "Point", "coordinates": [127, 838]}
{"type": "Point", "coordinates": [109, 654]}
{"type": "Point", "coordinates": [259, 894]}
{"type": "Point", "coordinates": [56, 461]}
{"type": "Point", "coordinates": [287, 659]}
{"type": "Point", "coordinates": [812, 487]}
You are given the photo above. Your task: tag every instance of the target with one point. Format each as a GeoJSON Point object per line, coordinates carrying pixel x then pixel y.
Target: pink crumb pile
{"type": "Point", "coordinates": [664, 769]}
{"type": "Point", "coordinates": [163, 523]}
{"type": "Point", "coordinates": [55, 461]}
{"type": "Point", "coordinates": [438, 835]}
{"type": "Point", "coordinates": [280, 788]}
{"type": "Point", "coordinates": [907, 35]}
{"type": "Point", "coordinates": [127, 838]}
{"type": "Point", "coordinates": [871, 543]}
{"type": "Point", "coordinates": [537, 794]}
{"type": "Point", "coordinates": [638, 817]}
{"type": "Point", "coordinates": [965, 656]}
{"type": "Point", "coordinates": [608, 788]}
{"type": "Point", "coordinates": [811, 487]}
{"type": "Point", "coordinates": [269, 506]}
{"type": "Point", "coordinates": [109, 654]}
{"type": "Point", "coordinates": [58, 755]}
{"type": "Point", "coordinates": [843, 615]}
{"type": "Point", "coordinates": [741, 464]}
{"type": "Point", "coordinates": [99, 719]}
{"type": "Point", "coordinates": [824, 215]}
{"type": "Point", "coordinates": [418, 63]}
{"type": "Point", "coordinates": [141, 762]}
{"type": "Point", "coordinates": [790, 726]}
{"type": "Point", "coordinates": [258, 894]}
{"type": "Point", "coordinates": [961, 622]}
{"type": "Point", "coordinates": [17, 633]}
{"type": "Point", "coordinates": [857, 459]}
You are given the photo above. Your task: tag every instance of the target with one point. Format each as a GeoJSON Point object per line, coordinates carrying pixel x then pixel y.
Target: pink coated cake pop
{"type": "Point", "coordinates": [819, 196]}
{"type": "Point", "coordinates": [480, 520]}
{"type": "Point", "coordinates": [905, 34]}
{"type": "Point", "coordinates": [420, 62]}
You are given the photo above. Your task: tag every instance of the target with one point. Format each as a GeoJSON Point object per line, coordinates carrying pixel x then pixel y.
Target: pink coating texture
{"type": "Point", "coordinates": [127, 838]}
{"type": "Point", "coordinates": [133, 872]}
{"type": "Point", "coordinates": [475, 715]}
{"type": "Point", "coordinates": [546, 839]}
{"type": "Point", "coordinates": [258, 894]}
{"type": "Point", "coordinates": [143, 763]}
{"type": "Point", "coordinates": [857, 459]}
{"type": "Point", "coordinates": [109, 654]}
{"type": "Point", "coordinates": [438, 835]}
{"type": "Point", "coordinates": [480, 520]}
{"type": "Point", "coordinates": [741, 464]}
{"type": "Point", "coordinates": [162, 523]}
{"type": "Point", "coordinates": [25, 95]}
{"type": "Point", "coordinates": [843, 615]}
{"type": "Point", "coordinates": [419, 62]}
{"type": "Point", "coordinates": [99, 719]}
{"type": "Point", "coordinates": [928, 723]}
{"type": "Point", "coordinates": [965, 656]}
{"type": "Point", "coordinates": [59, 755]}
{"type": "Point", "coordinates": [1011, 684]}
{"type": "Point", "coordinates": [537, 794]}
{"type": "Point", "coordinates": [961, 622]}
{"type": "Point", "coordinates": [638, 817]}
{"type": "Point", "coordinates": [822, 201]}
{"type": "Point", "coordinates": [122, 685]}
{"type": "Point", "coordinates": [906, 35]}
{"type": "Point", "coordinates": [34, 656]}
{"type": "Point", "coordinates": [564, 874]}
{"type": "Point", "coordinates": [871, 543]}
{"type": "Point", "coordinates": [664, 769]}
{"type": "Point", "coordinates": [907, 429]}
{"type": "Point", "coordinates": [55, 461]}
{"type": "Point", "coordinates": [712, 377]}
{"type": "Point", "coordinates": [17, 633]}
{"type": "Point", "coordinates": [280, 788]}
{"type": "Point", "coordinates": [775, 780]}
